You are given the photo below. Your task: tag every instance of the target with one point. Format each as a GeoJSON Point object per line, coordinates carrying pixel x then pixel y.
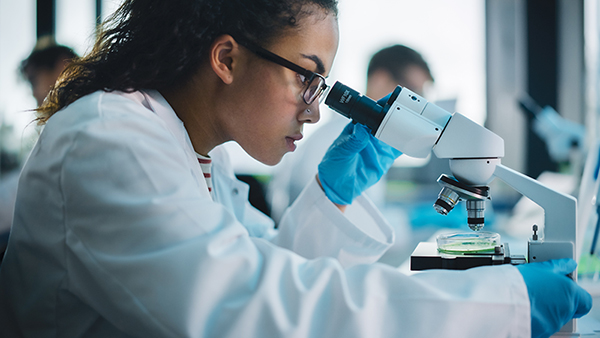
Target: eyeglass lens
{"type": "Point", "coordinates": [324, 93]}
{"type": "Point", "coordinates": [314, 89]}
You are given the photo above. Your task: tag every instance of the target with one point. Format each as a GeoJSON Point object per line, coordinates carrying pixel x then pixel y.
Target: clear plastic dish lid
{"type": "Point", "coordinates": [468, 242]}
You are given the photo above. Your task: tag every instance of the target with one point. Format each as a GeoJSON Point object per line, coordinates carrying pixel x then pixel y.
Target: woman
{"type": "Point", "coordinates": [129, 222]}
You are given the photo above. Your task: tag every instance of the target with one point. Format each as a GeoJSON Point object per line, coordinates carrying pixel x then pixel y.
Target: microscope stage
{"type": "Point", "coordinates": [426, 256]}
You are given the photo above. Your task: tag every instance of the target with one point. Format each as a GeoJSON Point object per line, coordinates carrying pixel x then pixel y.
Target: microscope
{"type": "Point", "coordinates": [414, 126]}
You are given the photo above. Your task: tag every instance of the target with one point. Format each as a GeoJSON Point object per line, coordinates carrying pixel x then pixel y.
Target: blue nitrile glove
{"type": "Point", "coordinates": [355, 161]}
{"type": "Point", "coordinates": [555, 298]}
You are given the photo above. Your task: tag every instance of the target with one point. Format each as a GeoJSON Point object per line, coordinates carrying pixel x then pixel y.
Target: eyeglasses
{"type": "Point", "coordinates": [315, 86]}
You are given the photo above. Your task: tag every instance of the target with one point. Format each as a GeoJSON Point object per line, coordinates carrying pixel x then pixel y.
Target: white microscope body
{"type": "Point", "coordinates": [415, 127]}
{"type": "Point", "coordinates": [474, 153]}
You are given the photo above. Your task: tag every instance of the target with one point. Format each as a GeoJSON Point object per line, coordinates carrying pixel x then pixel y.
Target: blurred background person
{"type": "Point", "coordinates": [397, 65]}
{"type": "Point", "coordinates": [43, 66]}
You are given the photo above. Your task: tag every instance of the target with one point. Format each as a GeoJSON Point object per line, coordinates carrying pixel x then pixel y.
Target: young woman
{"type": "Point", "coordinates": [129, 221]}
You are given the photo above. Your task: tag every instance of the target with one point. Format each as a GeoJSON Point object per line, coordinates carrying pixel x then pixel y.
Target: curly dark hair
{"type": "Point", "coordinates": [155, 44]}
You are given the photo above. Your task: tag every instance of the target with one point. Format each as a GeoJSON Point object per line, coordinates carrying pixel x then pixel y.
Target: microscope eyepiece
{"type": "Point", "coordinates": [359, 108]}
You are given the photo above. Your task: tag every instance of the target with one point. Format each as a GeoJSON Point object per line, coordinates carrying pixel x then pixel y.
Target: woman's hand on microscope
{"type": "Point", "coordinates": [355, 161]}
{"type": "Point", "coordinates": [554, 297]}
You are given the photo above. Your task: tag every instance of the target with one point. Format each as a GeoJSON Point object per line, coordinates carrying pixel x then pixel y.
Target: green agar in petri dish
{"type": "Point", "coordinates": [468, 242]}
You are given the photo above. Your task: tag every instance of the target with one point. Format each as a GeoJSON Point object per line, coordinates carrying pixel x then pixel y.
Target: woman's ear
{"type": "Point", "coordinates": [224, 53]}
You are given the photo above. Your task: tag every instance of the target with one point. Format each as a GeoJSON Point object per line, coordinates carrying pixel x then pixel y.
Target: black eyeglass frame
{"type": "Point", "coordinates": [309, 76]}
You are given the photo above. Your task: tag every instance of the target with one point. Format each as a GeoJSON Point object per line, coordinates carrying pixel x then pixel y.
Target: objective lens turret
{"type": "Point", "coordinates": [453, 191]}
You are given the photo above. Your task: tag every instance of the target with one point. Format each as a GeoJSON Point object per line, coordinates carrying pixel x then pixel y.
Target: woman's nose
{"type": "Point", "coordinates": [311, 114]}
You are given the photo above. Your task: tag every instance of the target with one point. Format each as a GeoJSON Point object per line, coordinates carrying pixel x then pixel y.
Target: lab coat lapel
{"type": "Point", "coordinates": [157, 103]}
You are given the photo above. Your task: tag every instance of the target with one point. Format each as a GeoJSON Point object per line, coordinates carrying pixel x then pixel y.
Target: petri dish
{"type": "Point", "coordinates": [468, 242]}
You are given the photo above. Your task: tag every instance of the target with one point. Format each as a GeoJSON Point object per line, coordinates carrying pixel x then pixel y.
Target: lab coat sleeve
{"type": "Point", "coordinates": [156, 259]}
{"type": "Point", "coordinates": [313, 226]}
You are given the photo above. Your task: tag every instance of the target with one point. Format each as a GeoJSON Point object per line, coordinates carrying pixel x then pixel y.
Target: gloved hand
{"type": "Point", "coordinates": [355, 161]}
{"type": "Point", "coordinates": [555, 298]}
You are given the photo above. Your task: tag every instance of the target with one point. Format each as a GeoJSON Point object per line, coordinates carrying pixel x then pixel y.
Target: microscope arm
{"type": "Point", "coordinates": [560, 216]}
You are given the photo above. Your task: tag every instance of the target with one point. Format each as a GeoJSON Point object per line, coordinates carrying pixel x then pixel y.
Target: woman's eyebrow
{"type": "Point", "coordinates": [317, 61]}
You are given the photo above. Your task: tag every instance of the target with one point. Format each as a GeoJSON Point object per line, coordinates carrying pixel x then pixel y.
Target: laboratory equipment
{"type": "Point", "coordinates": [411, 124]}
{"type": "Point", "coordinates": [427, 256]}
{"type": "Point", "coordinates": [463, 250]}
{"type": "Point", "coordinates": [414, 126]}
{"type": "Point", "coordinates": [564, 139]}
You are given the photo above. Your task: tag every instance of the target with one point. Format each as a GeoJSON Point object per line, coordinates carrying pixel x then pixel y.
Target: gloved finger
{"type": "Point", "coordinates": [583, 302]}
{"type": "Point", "coordinates": [385, 149]}
{"type": "Point", "coordinates": [563, 266]}
{"type": "Point", "coordinates": [582, 299]}
{"type": "Point", "coordinates": [382, 101]}
{"type": "Point", "coordinates": [348, 129]}
{"type": "Point", "coordinates": [352, 140]}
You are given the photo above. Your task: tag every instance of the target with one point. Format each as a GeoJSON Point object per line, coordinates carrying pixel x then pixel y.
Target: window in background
{"type": "Point", "coordinates": [75, 24]}
{"type": "Point", "coordinates": [17, 38]}
{"type": "Point", "coordinates": [109, 6]}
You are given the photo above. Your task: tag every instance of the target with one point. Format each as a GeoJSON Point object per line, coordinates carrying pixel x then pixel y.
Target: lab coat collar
{"type": "Point", "coordinates": [154, 101]}
{"type": "Point", "coordinates": [159, 105]}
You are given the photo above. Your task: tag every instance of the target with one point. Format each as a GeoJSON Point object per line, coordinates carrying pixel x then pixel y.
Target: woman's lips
{"type": "Point", "coordinates": [291, 141]}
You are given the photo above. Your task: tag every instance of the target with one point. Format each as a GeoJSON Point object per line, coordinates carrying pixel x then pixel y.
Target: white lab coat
{"type": "Point", "coordinates": [116, 235]}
